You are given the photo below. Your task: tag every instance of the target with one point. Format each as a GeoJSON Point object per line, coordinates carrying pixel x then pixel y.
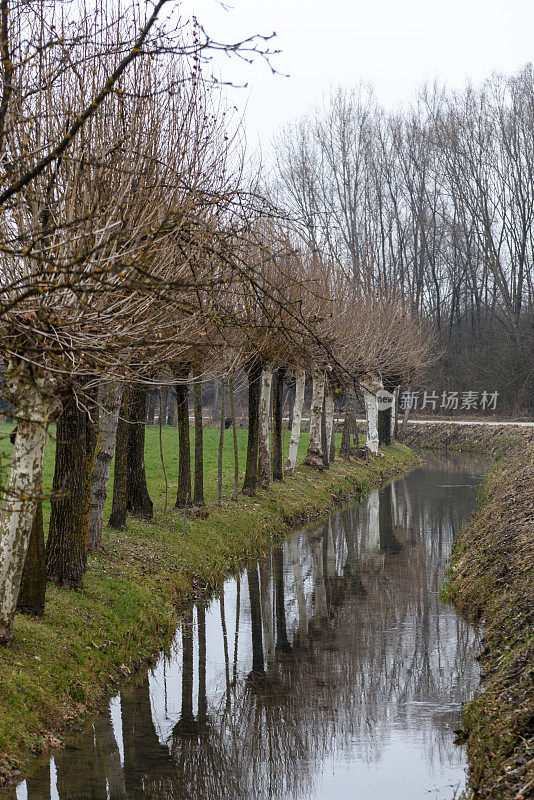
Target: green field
{"type": "Point", "coordinates": [154, 471]}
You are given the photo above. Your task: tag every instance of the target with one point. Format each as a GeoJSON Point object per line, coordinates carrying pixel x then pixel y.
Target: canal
{"type": "Point", "coordinates": [330, 670]}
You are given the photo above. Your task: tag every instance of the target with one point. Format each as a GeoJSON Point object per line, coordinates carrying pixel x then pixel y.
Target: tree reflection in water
{"type": "Point", "coordinates": [342, 654]}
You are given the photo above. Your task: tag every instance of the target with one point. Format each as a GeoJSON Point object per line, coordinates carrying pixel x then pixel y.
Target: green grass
{"type": "Point", "coordinates": [491, 582]}
{"type": "Point", "coordinates": [154, 471]}
{"type": "Point", "coordinates": [60, 666]}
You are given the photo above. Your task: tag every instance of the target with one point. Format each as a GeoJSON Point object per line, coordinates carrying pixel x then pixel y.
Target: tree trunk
{"type": "Point", "coordinates": [66, 548]}
{"type": "Point", "coordinates": [282, 642]}
{"type": "Point", "coordinates": [221, 444]}
{"type": "Point", "coordinates": [254, 386]}
{"type": "Point", "coordinates": [107, 745]}
{"type": "Point", "coordinates": [34, 405]}
{"type": "Point", "coordinates": [234, 433]}
{"type": "Point", "coordinates": [184, 455]}
{"type": "Point", "coordinates": [320, 610]}
{"type": "Point", "coordinates": [255, 624]}
{"type": "Point", "coordinates": [264, 460]}
{"type": "Point", "coordinates": [37, 784]}
{"type": "Point", "coordinates": [329, 414]}
{"type": "Point", "coordinates": [299, 593]}
{"type": "Point", "coordinates": [278, 455]}
{"type": "Point", "coordinates": [324, 438]}
{"type": "Point", "coordinates": [384, 427]}
{"type": "Point", "coordinates": [228, 704]}
{"type": "Point", "coordinates": [198, 498]}
{"type": "Point", "coordinates": [291, 396]}
{"type": "Point", "coordinates": [139, 501]}
{"type": "Point", "coordinates": [388, 541]}
{"type": "Point", "coordinates": [33, 584]}
{"type": "Point", "coordinates": [350, 427]}
{"type": "Point", "coordinates": [332, 453]}
{"type": "Point", "coordinates": [371, 412]}
{"type": "Point", "coordinates": [109, 415]}
{"type": "Point", "coordinates": [202, 715]}
{"type": "Point", "coordinates": [117, 519]}
{"type": "Point", "coordinates": [371, 538]}
{"type": "Point", "coordinates": [395, 414]}
{"type": "Point", "coordinates": [186, 723]}
{"type": "Point", "coordinates": [267, 611]}
{"type": "Point", "coordinates": [300, 381]}
{"type": "Point", "coordinates": [314, 455]}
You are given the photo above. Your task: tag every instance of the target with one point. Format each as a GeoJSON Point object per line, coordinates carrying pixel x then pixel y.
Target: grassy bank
{"type": "Point", "coordinates": [491, 581]}
{"type": "Point", "coordinates": [60, 666]}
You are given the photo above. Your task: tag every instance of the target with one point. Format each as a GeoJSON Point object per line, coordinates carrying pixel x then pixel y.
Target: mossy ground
{"type": "Point", "coordinates": [60, 666]}
{"type": "Point", "coordinates": [491, 582]}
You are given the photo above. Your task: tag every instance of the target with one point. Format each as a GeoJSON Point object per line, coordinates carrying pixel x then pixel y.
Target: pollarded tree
{"type": "Point", "coordinates": [274, 325]}
{"type": "Point", "coordinates": [379, 344]}
{"type": "Point", "coordinates": [108, 220]}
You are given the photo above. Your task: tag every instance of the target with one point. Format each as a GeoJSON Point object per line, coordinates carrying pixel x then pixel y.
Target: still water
{"type": "Point", "coordinates": [330, 670]}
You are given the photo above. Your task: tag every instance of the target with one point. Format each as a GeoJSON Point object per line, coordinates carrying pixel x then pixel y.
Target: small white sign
{"type": "Point", "coordinates": [384, 399]}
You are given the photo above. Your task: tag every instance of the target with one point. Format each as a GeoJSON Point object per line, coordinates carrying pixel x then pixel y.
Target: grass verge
{"type": "Point", "coordinates": [491, 582]}
{"type": "Point", "coordinates": [62, 665]}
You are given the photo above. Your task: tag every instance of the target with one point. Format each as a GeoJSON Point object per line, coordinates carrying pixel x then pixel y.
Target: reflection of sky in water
{"type": "Point", "coordinates": [364, 707]}
{"type": "Point", "coordinates": [337, 780]}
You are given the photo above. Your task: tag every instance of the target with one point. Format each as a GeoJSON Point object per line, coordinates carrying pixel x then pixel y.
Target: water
{"type": "Point", "coordinates": [329, 671]}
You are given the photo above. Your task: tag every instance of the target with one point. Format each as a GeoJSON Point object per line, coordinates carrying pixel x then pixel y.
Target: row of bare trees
{"type": "Point", "coordinates": [435, 202]}
{"type": "Point", "coordinates": [132, 248]}
{"type": "Point", "coordinates": [340, 341]}
{"type": "Point", "coordinates": [119, 196]}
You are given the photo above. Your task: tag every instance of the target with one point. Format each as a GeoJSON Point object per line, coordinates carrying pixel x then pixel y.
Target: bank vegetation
{"type": "Point", "coordinates": [491, 583]}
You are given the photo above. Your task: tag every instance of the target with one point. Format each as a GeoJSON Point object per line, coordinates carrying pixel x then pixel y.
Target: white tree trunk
{"type": "Point", "coordinates": [300, 382]}
{"type": "Point", "coordinates": [299, 591]}
{"type": "Point", "coordinates": [373, 522]}
{"type": "Point", "coordinates": [394, 413]}
{"type": "Point", "coordinates": [107, 431]}
{"type": "Point", "coordinates": [34, 407]}
{"type": "Point", "coordinates": [370, 386]}
{"type": "Point", "coordinates": [314, 455]}
{"type": "Point", "coordinates": [371, 413]}
{"type": "Point", "coordinates": [264, 461]}
{"type": "Point", "coordinates": [371, 554]}
{"type": "Point", "coordinates": [329, 412]}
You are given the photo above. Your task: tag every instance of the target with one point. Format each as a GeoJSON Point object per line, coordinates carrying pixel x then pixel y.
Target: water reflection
{"type": "Point", "coordinates": [329, 669]}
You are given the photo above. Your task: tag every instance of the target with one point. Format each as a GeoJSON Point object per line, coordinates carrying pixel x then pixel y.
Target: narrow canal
{"type": "Point", "coordinates": [330, 670]}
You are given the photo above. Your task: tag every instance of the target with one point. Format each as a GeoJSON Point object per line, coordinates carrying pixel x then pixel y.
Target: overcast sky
{"type": "Point", "coordinates": [395, 45]}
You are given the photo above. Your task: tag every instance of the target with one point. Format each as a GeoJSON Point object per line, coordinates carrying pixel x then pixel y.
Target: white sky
{"type": "Point", "coordinates": [395, 45]}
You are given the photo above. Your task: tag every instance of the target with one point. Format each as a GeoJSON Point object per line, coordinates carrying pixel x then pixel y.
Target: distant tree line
{"type": "Point", "coordinates": [436, 204]}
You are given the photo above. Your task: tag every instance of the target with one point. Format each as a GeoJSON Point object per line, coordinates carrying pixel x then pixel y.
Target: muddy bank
{"type": "Point", "coordinates": [491, 582]}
